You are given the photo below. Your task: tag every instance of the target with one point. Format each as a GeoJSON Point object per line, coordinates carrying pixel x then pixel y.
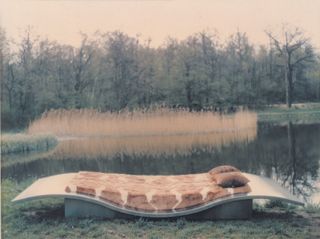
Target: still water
{"type": "Point", "coordinates": [288, 153]}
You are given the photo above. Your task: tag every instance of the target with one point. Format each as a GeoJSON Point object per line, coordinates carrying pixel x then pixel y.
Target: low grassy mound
{"type": "Point", "coordinates": [16, 143]}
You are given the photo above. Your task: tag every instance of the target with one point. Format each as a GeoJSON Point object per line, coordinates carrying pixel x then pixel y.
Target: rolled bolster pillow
{"type": "Point", "coordinates": [230, 180]}
{"type": "Point", "coordinates": [223, 169]}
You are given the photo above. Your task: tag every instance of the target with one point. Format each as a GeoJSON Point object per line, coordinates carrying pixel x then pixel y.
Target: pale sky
{"type": "Point", "coordinates": [62, 20]}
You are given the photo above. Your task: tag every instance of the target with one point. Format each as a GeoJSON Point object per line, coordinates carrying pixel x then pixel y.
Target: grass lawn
{"type": "Point", "coordinates": [299, 113]}
{"type": "Point", "coordinates": [44, 219]}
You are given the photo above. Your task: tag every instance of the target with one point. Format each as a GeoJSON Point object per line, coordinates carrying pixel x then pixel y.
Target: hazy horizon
{"type": "Point", "coordinates": [157, 19]}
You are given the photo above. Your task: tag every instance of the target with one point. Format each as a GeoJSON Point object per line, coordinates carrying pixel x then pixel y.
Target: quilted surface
{"type": "Point", "coordinates": [151, 193]}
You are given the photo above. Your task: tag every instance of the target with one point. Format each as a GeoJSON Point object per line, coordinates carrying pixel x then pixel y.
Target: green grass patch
{"type": "Point", "coordinates": [313, 208]}
{"type": "Point", "coordinates": [298, 113]}
{"type": "Point", "coordinates": [18, 143]}
{"type": "Point", "coordinates": [44, 219]}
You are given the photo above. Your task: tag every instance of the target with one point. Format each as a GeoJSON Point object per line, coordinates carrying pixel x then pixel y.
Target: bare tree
{"type": "Point", "coordinates": [81, 63]}
{"type": "Point", "coordinates": [293, 48]}
{"type": "Point", "coordinates": [3, 43]}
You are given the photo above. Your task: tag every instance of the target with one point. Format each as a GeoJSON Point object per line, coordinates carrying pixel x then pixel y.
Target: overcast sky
{"type": "Point", "coordinates": [62, 20]}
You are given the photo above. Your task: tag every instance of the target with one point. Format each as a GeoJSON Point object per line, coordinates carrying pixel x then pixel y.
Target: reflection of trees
{"type": "Point", "coordinates": [290, 155]}
{"type": "Point", "coordinates": [300, 165]}
{"type": "Point", "coordinates": [292, 172]}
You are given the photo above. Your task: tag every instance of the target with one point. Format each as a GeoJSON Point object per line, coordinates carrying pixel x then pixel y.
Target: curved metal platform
{"type": "Point", "coordinates": [54, 186]}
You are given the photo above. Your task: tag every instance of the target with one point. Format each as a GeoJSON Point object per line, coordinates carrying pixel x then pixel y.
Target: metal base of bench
{"type": "Point", "coordinates": [241, 209]}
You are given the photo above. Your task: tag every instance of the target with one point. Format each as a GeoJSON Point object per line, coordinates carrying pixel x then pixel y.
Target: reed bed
{"type": "Point", "coordinates": [86, 123]}
{"type": "Point", "coordinates": [19, 143]}
{"type": "Point", "coordinates": [149, 145]}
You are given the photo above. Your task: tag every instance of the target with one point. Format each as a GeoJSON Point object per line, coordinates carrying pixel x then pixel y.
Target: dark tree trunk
{"type": "Point", "coordinates": [289, 85]}
{"type": "Point", "coordinates": [292, 154]}
{"type": "Point", "coordinates": [189, 95]}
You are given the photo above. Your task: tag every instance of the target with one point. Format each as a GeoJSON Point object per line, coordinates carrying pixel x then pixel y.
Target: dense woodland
{"type": "Point", "coordinates": [114, 71]}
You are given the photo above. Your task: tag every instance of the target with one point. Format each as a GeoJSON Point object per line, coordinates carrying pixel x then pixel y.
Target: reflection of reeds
{"type": "Point", "coordinates": [149, 145]}
{"type": "Point", "coordinates": [139, 123]}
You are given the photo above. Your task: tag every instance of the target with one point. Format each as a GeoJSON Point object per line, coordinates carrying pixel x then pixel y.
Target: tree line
{"type": "Point", "coordinates": [114, 71]}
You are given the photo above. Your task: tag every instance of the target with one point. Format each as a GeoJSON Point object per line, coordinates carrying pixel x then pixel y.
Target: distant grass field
{"type": "Point", "coordinates": [298, 113]}
{"type": "Point", "coordinates": [18, 143]}
{"type": "Point", "coordinates": [297, 106]}
{"type": "Point", "coordinates": [44, 219]}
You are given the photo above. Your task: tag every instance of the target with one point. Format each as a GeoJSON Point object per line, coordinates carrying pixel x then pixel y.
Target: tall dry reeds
{"type": "Point", "coordinates": [85, 122]}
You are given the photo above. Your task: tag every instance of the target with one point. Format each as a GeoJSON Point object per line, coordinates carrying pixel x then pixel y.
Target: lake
{"type": "Point", "coordinates": [288, 153]}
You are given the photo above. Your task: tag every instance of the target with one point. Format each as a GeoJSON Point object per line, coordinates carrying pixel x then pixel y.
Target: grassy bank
{"type": "Point", "coordinates": [14, 158]}
{"type": "Point", "coordinates": [298, 113]}
{"type": "Point", "coordinates": [44, 219]}
{"type": "Point", "coordinates": [16, 143]}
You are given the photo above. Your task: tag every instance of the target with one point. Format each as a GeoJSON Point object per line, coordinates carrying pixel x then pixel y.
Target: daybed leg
{"type": "Point", "coordinates": [80, 208]}
{"type": "Point", "coordinates": [241, 209]}
{"type": "Point", "coordinates": [74, 208]}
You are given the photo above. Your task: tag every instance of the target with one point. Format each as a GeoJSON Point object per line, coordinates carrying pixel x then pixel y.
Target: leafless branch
{"type": "Point", "coordinates": [275, 42]}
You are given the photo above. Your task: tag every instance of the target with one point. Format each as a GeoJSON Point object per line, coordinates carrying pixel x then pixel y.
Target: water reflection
{"type": "Point", "coordinates": [170, 145]}
{"type": "Point", "coordinates": [297, 166]}
{"type": "Point", "coordinates": [287, 153]}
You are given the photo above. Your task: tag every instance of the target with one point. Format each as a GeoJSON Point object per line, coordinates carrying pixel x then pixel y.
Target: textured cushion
{"type": "Point", "coordinates": [157, 193]}
{"type": "Point", "coordinates": [230, 180]}
{"type": "Point", "coordinates": [223, 169]}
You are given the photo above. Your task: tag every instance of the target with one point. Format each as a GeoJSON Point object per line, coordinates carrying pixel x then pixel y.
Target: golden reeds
{"type": "Point", "coordinates": [161, 131]}
{"type": "Point", "coordinates": [84, 123]}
